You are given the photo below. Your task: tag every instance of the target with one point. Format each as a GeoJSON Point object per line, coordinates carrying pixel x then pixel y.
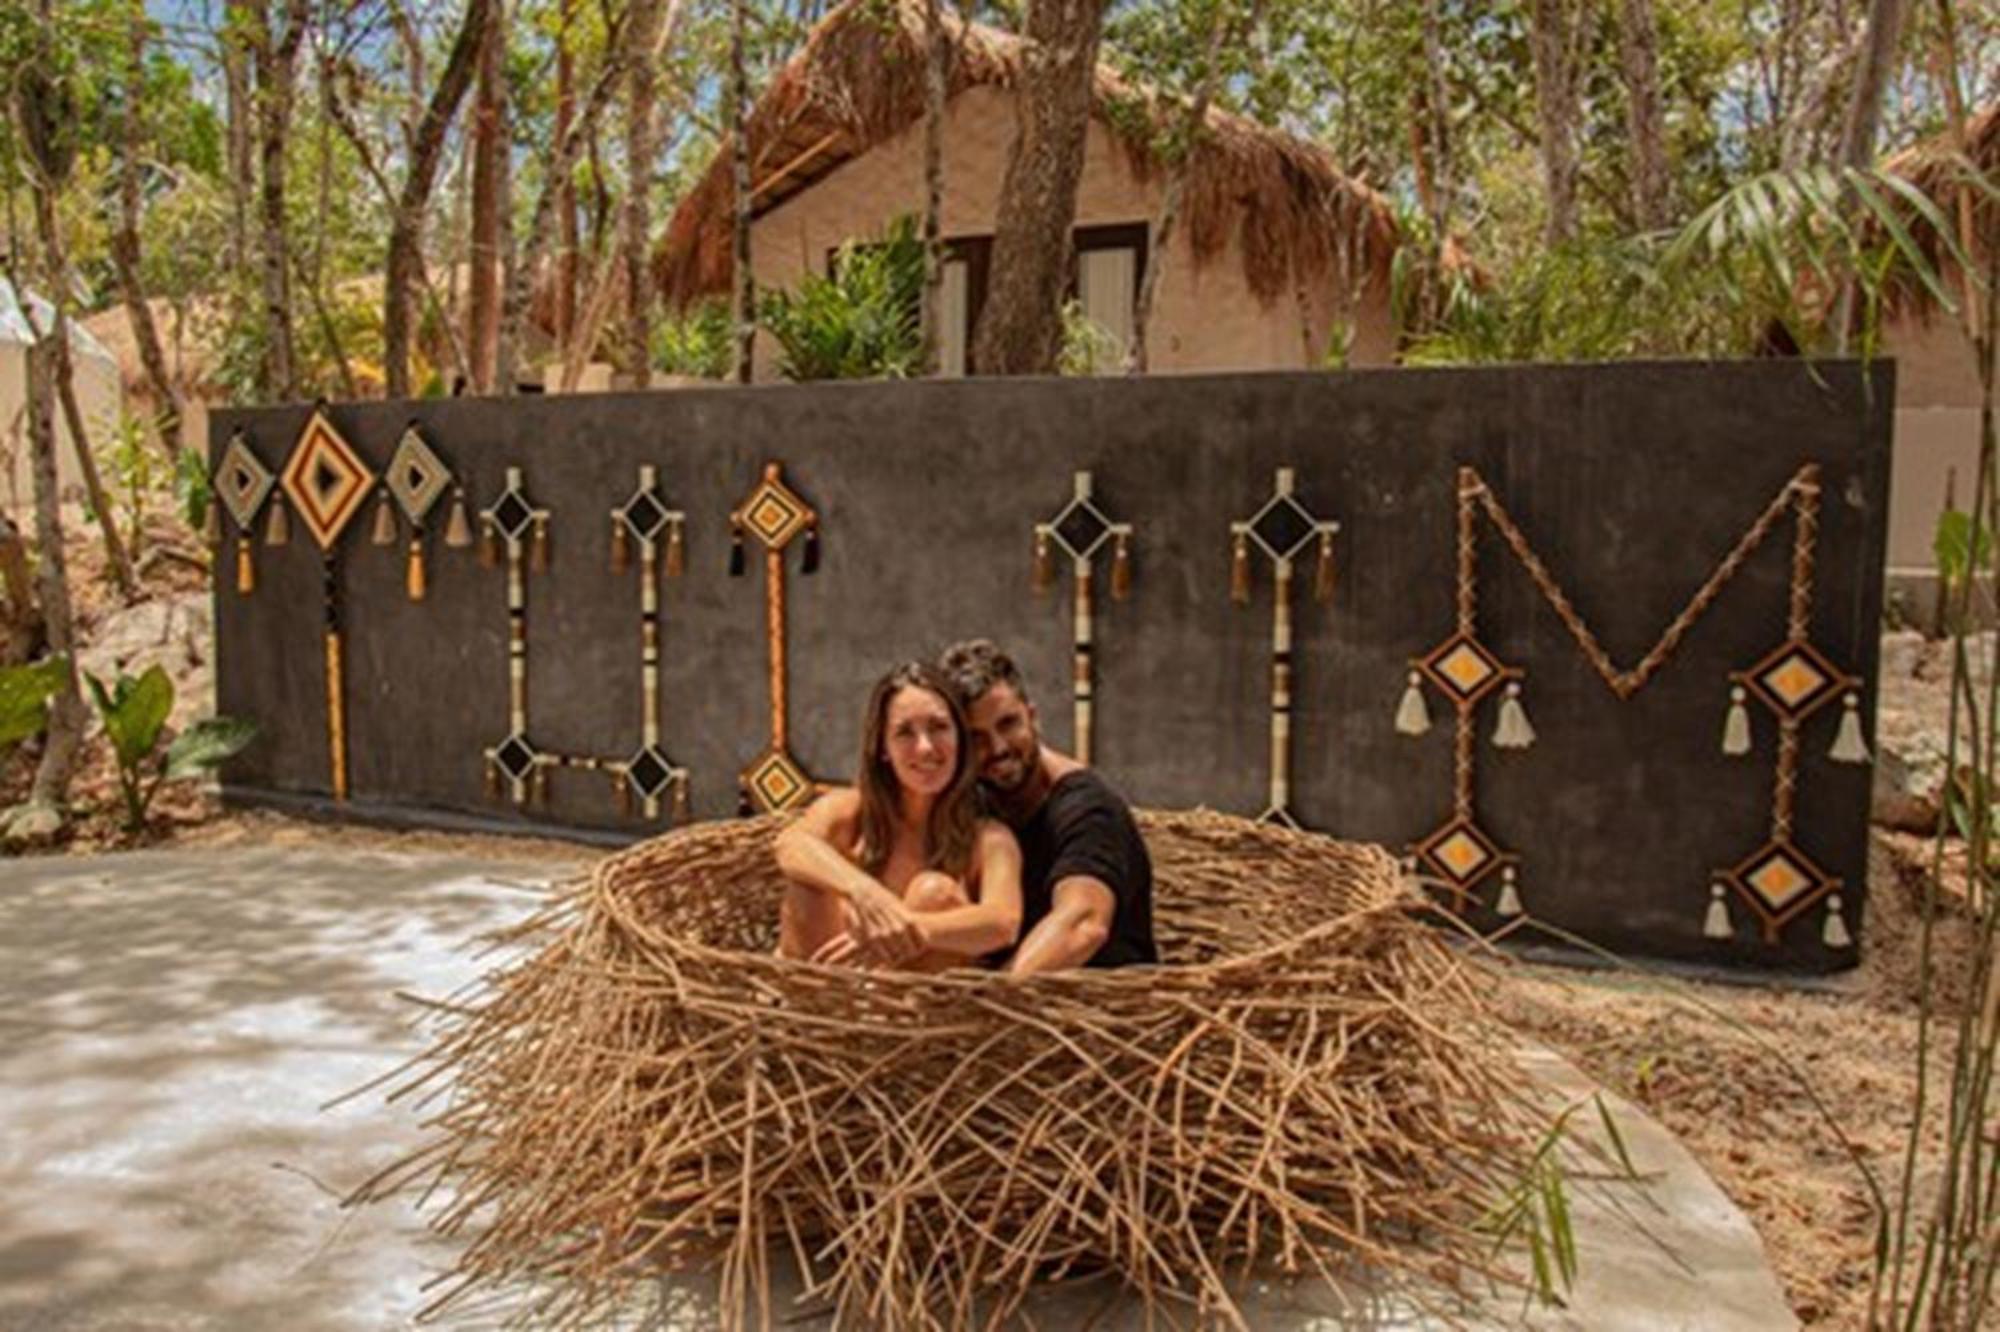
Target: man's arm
{"type": "Point", "coordinates": [808, 853]}
{"type": "Point", "coordinates": [1078, 923]}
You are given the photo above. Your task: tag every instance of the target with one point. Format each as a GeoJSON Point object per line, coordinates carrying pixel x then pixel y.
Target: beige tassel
{"type": "Point", "coordinates": [1834, 934]}
{"type": "Point", "coordinates": [1513, 730]}
{"type": "Point", "coordinates": [1044, 576]}
{"type": "Point", "coordinates": [1239, 570]}
{"type": "Point", "coordinates": [680, 814]}
{"type": "Point", "coordinates": [458, 531]}
{"type": "Point", "coordinates": [538, 549]}
{"type": "Point", "coordinates": [1848, 746]}
{"type": "Point", "coordinates": [1510, 894]}
{"type": "Point", "coordinates": [246, 568]}
{"type": "Point", "coordinates": [211, 525]}
{"type": "Point", "coordinates": [489, 543]}
{"type": "Point", "coordinates": [676, 551]}
{"type": "Point", "coordinates": [621, 558]}
{"type": "Point", "coordinates": [1717, 926]}
{"type": "Point", "coordinates": [413, 575]}
{"type": "Point", "coordinates": [1121, 568]}
{"type": "Point", "coordinates": [1323, 574]}
{"type": "Point", "coordinates": [1736, 729]}
{"type": "Point", "coordinates": [278, 532]}
{"type": "Point", "coordinates": [1412, 717]}
{"type": "Point", "coordinates": [385, 522]}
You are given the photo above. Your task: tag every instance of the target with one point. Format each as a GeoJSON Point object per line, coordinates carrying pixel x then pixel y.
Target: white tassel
{"type": "Point", "coordinates": [1835, 934]}
{"type": "Point", "coordinates": [1510, 894]}
{"type": "Point", "coordinates": [1717, 926]}
{"type": "Point", "coordinates": [1848, 746]}
{"type": "Point", "coordinates": [1736, 730]}
{"type": "Point", "coordinates": [1513, 730]}
{"type": "Point", "coordinates": [1412, 717]}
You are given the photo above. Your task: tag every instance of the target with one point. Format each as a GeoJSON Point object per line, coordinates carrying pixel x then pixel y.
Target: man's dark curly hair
{"type": "Point", "coordinates": [974, 666]}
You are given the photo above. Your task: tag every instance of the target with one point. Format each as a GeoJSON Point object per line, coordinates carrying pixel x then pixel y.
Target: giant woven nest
{"type": "Point", "coordinates": [1308, 1081]}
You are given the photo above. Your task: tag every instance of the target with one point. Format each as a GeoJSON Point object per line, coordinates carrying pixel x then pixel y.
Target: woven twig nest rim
{"type": "Point", "coordinates": [1302, 1080]}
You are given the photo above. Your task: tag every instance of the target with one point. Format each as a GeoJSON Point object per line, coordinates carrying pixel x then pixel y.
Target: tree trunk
{"type": "Point", "coordinates": [641, 147]}
{"type": "Point", "coordinates": [936, 56]}
{"type": "Point", "coordinates": [1020, 330]}
{"type": "Point", "coordinates": [563, 158]}
{"type": "Point", "coordinates": [235, 47]}
{"type": "Point", "coordinates": [125, 247]}
{"type": "Point", "coordinates": [489, 150]}
{"type": "Point", "coordinates": [1555, 98]}
{"type": "Point", "coordinates": [1638, 47]}
{"type": "Point", "coordinates": [406, 228]}
{"type": "Point", "coordinates": [55, 266]}
{"type": "Point", "coordinates": [566, 187]}
{"type": "Point", "coordinates": [1434, 165]}
{"type": "Point", "coordinates": [1161, 235]}
{"type": "Point", "coordinates": [739, 135]}
{"type": "Point", "coordinates": [64, 737]}
{"type": "Point", "coordinates": [276, 66]}
{"type": "Point", "coordinates": [1864, 115]}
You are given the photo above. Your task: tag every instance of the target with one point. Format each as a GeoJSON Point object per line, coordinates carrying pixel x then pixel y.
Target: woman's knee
{"type": "Point", "coordinates": [934, 891]}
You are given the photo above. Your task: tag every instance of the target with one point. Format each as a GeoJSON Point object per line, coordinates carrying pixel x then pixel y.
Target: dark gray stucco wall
{"type": "Point", "coordinates": [1632, 481]}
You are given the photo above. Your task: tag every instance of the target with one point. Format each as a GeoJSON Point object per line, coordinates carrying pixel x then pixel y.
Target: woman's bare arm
{"type": "Point", "coordinates": [995, 920]}
{"type": "Point", "coordinates": [809, 854]}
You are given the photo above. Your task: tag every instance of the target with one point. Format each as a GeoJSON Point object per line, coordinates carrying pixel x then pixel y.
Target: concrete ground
{"type": "Point", "coordinates": [172, 1023]}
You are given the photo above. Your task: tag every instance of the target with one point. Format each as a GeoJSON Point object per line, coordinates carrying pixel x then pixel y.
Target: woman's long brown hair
{"type": "Point", "coordinates": [954, 816]}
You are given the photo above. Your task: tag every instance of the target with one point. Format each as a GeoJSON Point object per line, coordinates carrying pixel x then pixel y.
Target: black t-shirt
{"type": "Point", "coordinates": [1085, 828]}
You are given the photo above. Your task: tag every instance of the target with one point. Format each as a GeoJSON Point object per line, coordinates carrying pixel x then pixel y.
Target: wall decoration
{"type": "Point", "coordinates": [242, 483]}
{"type": "Point", "coordinates": [775, 515]}
{"type": "Point", "coordinates": [1283, 529]}
{"type": "Point", "coordinates": [1778, 880]}
{"type": "Point", "coordinates": [515, 520]}
{"type": "Point", "coordinates": [327, 482]}
{"type": "Point", "coordinates": [1081, 529]}
{"type": "Point", "coordinates": [648, 776]}
{"type": "Point", "coordinates": [416, 479]}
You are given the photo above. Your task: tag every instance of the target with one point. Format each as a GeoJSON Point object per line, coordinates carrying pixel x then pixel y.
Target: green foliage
{"type": "Point", "coordinates": [135, 465]}
{"type": "Point", "coordinates": [698, 342]}
{"type": "Point", "coordinates": [1088, 348]}
{"type": "Point", "coordinates": [25, 692]}
{"type": "Point", "coordinates": [861, 323]}
{"type": "Point", "coordinates": [193, 492]}
{"type": "Point", "coordinates": [134, 713]}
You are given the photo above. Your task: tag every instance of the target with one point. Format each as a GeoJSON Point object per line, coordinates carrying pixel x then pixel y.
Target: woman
{"type": "Point", "coordinates": [899, 869]}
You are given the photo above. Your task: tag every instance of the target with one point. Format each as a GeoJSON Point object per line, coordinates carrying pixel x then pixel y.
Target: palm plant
{"type": "Point", "coordinates": [859, 323]}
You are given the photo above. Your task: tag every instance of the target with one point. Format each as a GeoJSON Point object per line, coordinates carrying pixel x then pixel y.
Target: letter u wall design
{"type": "Point", "coordinates": [1713, 809]}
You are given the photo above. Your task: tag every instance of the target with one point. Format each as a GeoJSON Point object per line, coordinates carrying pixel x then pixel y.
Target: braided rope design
{"type": "Point", "coordinates": [1800, 492]}
{"type": "Point", "coordinates": [1785, 781]}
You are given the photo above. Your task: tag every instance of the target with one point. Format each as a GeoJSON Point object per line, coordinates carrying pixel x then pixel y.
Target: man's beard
{"type": "Point", "coordinates": [1012, 777]}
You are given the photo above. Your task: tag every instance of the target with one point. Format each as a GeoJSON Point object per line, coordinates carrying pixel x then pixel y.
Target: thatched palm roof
{"type": "Point", "coordinates": [860, 80]}
{"type": "Point", "coordinates": [1934, 166]}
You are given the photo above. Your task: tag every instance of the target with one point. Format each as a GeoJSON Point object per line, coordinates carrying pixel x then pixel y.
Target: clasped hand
{"type": "Point", "coordinates": [881, 932]}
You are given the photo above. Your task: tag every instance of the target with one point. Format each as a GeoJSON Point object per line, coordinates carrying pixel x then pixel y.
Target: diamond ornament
{"type": "Point", "coordinates": [1282, 527]}
{"type": "Point", "coordinates": [1461, 853]}
{"type": "Point", "coordinates": [1796, 679]}
{"type": "Point", "coordinates": [325, 480]}
{"type": "Point", "coordinates": [417, 477]}
{"type": "Point", "coordinates": [515, 756]}
{"type": "Point", "coordinates": [773, 514]}
{"type": "Point", "coordinates": [1462, 668]}
{"type": "Point", "coordinates": [775, 782]}
{"type": "Point", "coordinates": [242, 482]}
{"type": "Point", "coordinates": [649, 772]}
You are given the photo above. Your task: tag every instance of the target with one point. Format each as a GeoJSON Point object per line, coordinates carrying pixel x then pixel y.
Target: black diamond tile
{"type": "Point", "coordinates": [516, 757]}
{"type": "Point", "coordinates": [645, 514]}
{"type": "Point", "coordinates": [649, 772]}
{"type": "Point", "coordinates": [512, 514]}
{"type": "Point", "coordinates": [1080, 527]}
{"type": "Point", "coordinates": [1283, 526]}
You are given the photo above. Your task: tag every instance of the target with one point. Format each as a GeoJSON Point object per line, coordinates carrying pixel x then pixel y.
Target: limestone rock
{"type": "Point", "coordinates": [1912, 714]}
{"type": "Point", "coordinates": [176, 633]}
{"type": "Point", "coordinates": [33, 822]}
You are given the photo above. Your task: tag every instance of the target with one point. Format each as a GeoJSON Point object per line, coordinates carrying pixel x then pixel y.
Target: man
{"type": "Point", "coordinates": [1086, 880]}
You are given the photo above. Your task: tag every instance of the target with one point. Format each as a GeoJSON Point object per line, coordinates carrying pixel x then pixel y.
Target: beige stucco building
{"type": "Point", "coordinates": [1276, 256]}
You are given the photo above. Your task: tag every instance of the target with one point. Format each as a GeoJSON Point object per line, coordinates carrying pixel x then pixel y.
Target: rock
{"type": "Point", "coordinates": [33, 822]}
{"type": "Point", "coordinates": [1912, 710]}
{"type": "Point", "coordinates": [177, 633]}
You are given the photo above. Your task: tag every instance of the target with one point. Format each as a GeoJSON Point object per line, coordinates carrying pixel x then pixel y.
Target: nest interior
{"type": "Point", "coordinates": [1308, 1079]}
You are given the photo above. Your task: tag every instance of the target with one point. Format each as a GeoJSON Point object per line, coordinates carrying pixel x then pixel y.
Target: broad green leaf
{"type": "Point", "coordinates": [207, 744]}
{"type": "Point", "coordinates": [135, 711]}
{"type": "Point", "coordinates": [1953, 545]}
{"type": "Point", "coordinates": [24, 695]}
